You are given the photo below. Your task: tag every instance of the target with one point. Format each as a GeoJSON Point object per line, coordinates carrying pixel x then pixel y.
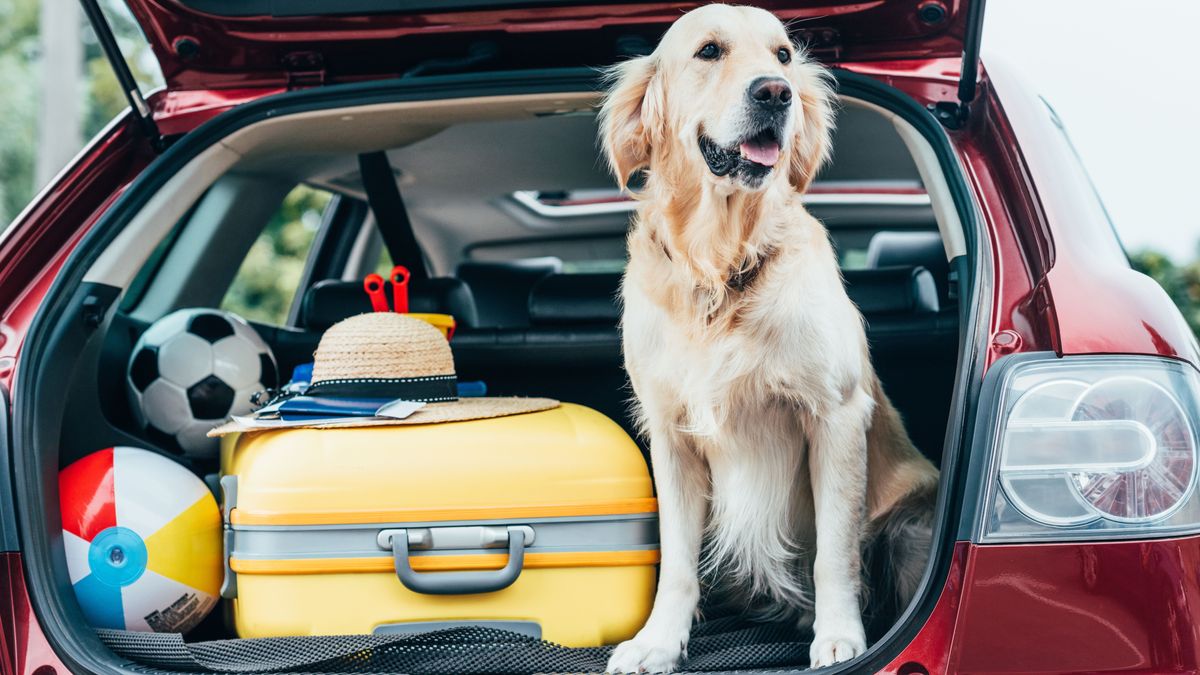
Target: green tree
{"type": "Point", "coordinates": [18, 51]}
{"type": "Point", "coordinates": [20, 81]}
{"type": "Point", "coordinates": [1181, 282]}
{"type": "Point", "coordinates": [105, 100]}
{"type": "Point", "coordinates": [267, 280]}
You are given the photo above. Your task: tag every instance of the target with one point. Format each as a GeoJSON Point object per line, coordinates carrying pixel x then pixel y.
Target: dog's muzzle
{"type": "Point", "coordinates": [721, 161]}
{"type": "Point", "coordinates": [751, 158]}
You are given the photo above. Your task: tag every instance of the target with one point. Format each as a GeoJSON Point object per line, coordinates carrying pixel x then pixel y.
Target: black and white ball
{"type": "Point", "coordinates": [192, 369]}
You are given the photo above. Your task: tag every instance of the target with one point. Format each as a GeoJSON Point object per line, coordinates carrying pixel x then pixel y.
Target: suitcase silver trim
{"type": "Point", "coordinates": [457, 538]}
{"type": "Point", "coordinates": [603, 533]}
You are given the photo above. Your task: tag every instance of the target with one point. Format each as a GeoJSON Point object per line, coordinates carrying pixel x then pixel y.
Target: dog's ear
{"type": "Point", "coordinates": [631, 117]}
{"type": "Point", "coordinates": [811, 142]}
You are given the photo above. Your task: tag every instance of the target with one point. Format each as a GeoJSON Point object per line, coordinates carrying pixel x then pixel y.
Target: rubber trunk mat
{"type": "Point", "coordinates": [724, 644]}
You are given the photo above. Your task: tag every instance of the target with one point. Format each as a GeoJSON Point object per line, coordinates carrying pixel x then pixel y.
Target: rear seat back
{"type": "Point", "coordinates": [572, 349]}
{"type": "Point", "coordinates": [920, 249]}
{"type": "Point", "coordinates": [574, 299]}
{"type": "Point", "coordinates": [892, 290]}
{"type": "Point", "coordinates": [332, 300]}
{"type": "Point", "coordinates": [502, 289]}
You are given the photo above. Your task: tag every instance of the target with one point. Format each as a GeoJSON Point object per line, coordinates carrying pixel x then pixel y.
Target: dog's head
{"type": "Point", "coordinates": [725, 94]}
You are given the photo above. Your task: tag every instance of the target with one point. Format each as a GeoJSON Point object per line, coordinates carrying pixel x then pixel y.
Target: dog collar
{"type": "Point", "coordinates": [742, 278]}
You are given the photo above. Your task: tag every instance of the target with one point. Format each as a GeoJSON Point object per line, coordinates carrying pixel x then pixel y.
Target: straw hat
{"type": "Point", "coordinates": [385, 355]}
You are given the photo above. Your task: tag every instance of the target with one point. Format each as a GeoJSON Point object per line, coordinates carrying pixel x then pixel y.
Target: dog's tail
{"type": "Point", "coordinates": [896, 549]}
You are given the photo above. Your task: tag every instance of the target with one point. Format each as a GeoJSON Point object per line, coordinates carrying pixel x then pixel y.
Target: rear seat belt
{"type": "Point", "coordinates": [390, 215]}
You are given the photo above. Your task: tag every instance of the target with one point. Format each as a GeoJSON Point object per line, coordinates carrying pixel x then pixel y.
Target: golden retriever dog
{"type": "Point", "coordinates": [772, 442]}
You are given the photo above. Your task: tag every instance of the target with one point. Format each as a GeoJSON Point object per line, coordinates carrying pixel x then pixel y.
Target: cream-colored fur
{"type": "Point", "coordinates": [769, 434]}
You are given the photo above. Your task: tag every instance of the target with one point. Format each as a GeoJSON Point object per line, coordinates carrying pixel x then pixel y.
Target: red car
{"type": "Point", "coordinates": [1055, 387]}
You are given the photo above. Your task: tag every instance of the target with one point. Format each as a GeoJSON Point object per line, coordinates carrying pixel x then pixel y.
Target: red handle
{"type": "Point", "coordinates": [374, 287]}
{"type": "Point", "coordinates": [400, 277]}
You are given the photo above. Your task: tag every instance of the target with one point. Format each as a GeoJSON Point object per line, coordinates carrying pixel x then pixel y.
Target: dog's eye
{"type": "Point", "coordinates": [784, 55]}
{"type": "Point", "coordinates": [709, 52]}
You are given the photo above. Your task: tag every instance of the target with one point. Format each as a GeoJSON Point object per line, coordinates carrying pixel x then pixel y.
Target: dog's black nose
{"type": "Point", "coordinates": [771, 92]}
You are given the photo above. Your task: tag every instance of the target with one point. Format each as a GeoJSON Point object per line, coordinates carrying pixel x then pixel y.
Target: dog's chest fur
{"type": "Point", "coordinates": [740, 382]}
{"type": "Point", "coordinates": [790, 338]}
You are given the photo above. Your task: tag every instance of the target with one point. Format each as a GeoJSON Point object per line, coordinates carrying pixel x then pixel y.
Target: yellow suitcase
{"type": "Point", "coordinates": [543, 523]}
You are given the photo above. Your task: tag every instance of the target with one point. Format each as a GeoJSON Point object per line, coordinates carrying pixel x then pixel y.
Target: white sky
{"type": "Point", "coordinates": [1122, 77]}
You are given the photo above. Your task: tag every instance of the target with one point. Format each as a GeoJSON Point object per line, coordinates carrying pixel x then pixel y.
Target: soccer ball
{"type": "Point", "coordinates": [191, 370]}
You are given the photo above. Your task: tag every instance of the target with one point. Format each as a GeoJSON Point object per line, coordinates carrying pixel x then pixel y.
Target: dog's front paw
{"type": "Point", "coordinates": [837, 644]}
{"type": "Point", "coordinates": [640, 655]}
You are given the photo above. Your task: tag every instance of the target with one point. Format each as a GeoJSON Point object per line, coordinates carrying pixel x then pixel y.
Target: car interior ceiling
{"type": "Point", "coordinates": [533, 291]}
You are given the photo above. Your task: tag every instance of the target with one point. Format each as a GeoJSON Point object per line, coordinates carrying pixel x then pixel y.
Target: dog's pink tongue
{"type": "Point", "coordinates": [766, 154]}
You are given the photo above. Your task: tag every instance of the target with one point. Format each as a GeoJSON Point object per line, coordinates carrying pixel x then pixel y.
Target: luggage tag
{"type": "Point", "coordinates": [399, 409]}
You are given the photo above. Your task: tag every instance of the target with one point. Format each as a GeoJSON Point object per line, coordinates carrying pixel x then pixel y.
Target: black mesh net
{"type": "Point", "coordinates": [718, 645]}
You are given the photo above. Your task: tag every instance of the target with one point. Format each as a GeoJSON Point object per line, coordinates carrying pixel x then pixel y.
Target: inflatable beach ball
{"type": "Point", "coordinates": [143, 541]}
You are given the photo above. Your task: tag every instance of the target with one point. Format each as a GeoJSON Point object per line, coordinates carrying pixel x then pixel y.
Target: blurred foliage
{"type": "Point", "coordinates": [267, 279]}
{"type": "Point", "coordinates": [18, 50]}
{"type": "Point", "coordinates": [104, 98]}
{"type": "Point", "coordinates": [20, 78]}
{"type": "Point", "coordinates": [1181, 282]}
{"type": "Point", "coordinates": [384, 267]}
{"type": "Point", "coordinates": [266, 282]}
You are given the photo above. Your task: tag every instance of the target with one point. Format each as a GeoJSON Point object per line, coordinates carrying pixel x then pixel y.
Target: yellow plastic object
{"type": "Point", "coordinates": [442, 322]}
{"type": "Point", "coordinates": [567, 467]}
{"type": "Point", "coordinates": [576, 607]}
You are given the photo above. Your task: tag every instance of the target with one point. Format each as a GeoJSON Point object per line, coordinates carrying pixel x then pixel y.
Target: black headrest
{"type": "Point", "coordinates": [592, 298]}
{"type": "Point", "coordinates": [501, 289]}
{"type": "Point", "coordinates": [575, 299]}
{"type": "Point", "coordinates": [891, 249]}
{"type": "Point", "coordinates": [331, 300]}
{"type": "Point", "coordinates": [471, 271]}
{"type": "Point", "coordinates": [892, 290]}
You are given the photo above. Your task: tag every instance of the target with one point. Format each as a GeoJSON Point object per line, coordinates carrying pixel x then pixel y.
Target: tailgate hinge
{"type": "Point", "coordinates": [304, 69]}
{"type": "Point", "coordinates": [825, 42]}
{"type": "Point", "coordinates": [954, 114]}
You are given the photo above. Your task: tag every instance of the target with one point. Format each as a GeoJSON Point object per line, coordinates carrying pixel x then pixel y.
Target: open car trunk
{"type": "Point", "coordinates": [154, 252]}
{"type": "Point", "coordinates": [216, 44]}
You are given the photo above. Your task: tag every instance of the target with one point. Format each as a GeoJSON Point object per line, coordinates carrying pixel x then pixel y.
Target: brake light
{"type": "Point", "coordinates": [1094, 447]}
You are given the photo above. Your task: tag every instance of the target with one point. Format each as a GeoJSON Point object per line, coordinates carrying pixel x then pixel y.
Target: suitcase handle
{"type": "Point", "coordinates": [459, 583]}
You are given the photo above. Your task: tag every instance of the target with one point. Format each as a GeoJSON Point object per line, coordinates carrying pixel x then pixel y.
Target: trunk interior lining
{"type": "Point", "coordinates": [113, 268]}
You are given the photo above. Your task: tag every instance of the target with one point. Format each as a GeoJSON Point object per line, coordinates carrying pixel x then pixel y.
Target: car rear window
{"type": "Point", "coordinates": [267, 280]}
